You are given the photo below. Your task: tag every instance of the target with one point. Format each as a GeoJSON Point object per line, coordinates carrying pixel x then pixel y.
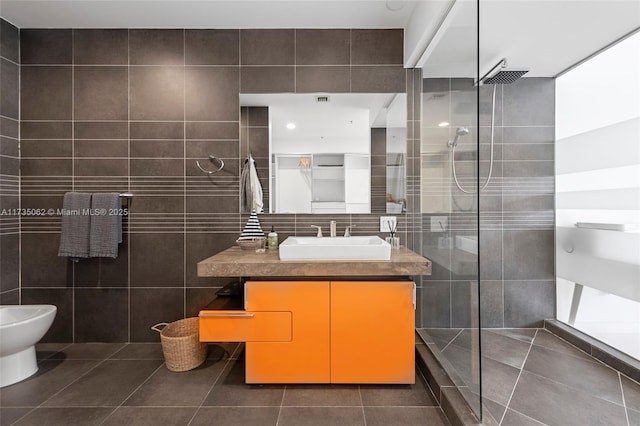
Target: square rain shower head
{"type": "Point", "coordinates": [504, 76]}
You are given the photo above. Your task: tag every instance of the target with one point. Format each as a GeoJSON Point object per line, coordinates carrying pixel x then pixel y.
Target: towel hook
{"type": "Point", "coordinates": [213, 159]}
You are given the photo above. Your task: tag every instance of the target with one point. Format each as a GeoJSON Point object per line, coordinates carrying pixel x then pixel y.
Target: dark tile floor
{"type": "Point", "coordinates": [128, 384]}
{"type": "Point", "coordinates": [532, 377]}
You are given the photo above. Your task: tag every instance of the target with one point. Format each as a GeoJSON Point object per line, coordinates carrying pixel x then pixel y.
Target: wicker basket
{"type": "Point", "coordinates": [252, 244]}
{"type": "Point", "coordinates": [181, 344]}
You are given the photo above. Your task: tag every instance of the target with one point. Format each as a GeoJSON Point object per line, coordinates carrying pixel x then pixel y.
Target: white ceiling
{"type": "Point", "coordinates": [207, 13]}
{"type": "Point", "coordinates": [546, 36]}
{"type": "Point", "coordinates": [304, 105]}
{"type": "Point", "coordinates": [345, 120]}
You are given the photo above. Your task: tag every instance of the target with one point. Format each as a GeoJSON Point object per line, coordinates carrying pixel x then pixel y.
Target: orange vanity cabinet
{"type": "Point", "coordinates": [372, 332]}
{"type": "Point", "coordinates": [293, 351]}
{"type": "Point", "coordinates": [321, 331]}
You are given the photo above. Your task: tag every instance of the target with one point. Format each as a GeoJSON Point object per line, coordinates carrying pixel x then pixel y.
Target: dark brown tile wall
{"type": "Point", "coordinates": [376, 47]}
{"type": "Point", "coordinates": [132, 110]}
{"type": "Point", "coordinates": [9, 164]}
{"type": "Point", "coordinates": [45, 47]}
{"type": "Point", "coordinates": [45, 92]}
{"type": "Point", "coordinates": [323, 47]}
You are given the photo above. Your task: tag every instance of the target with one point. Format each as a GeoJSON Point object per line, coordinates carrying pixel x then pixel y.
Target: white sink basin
{"type": "Point", "coordinates": [335, 248]}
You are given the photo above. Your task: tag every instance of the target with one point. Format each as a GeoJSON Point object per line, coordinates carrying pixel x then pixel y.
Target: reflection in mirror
{"type": "Point", "coordinates": [396, 153]}
{"type": "Point", "coordinates": [332, 153]}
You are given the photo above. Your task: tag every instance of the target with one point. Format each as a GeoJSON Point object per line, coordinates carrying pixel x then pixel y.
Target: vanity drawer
{"type": "Point", "coordinates": [243, 326]}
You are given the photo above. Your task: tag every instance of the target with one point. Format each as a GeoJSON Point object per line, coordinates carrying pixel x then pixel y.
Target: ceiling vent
{"type": "Point", "coordinates": [321, 99]}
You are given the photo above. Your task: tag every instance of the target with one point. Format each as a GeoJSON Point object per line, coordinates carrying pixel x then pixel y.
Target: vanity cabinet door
{"type": "Point", "coordinates": [304, 359]}
{"type": "Point", "coordinates": [372, 332]}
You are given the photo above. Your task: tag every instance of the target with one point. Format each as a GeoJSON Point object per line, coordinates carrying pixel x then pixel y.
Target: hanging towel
{"type": "Point", "coordinates": [74, 236]}
{"type": "Point", "coordinates": [106, 225]}
{"type": "Point", "coordinates": [250, 188]}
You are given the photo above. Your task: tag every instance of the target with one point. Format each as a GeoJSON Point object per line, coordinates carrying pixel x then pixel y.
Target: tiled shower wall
{"type": "Point", "coordinates": [9, 164]}
{"type": "Point", "coordinates": [132, 110]}
{"type": "Point", "coordinates": [516, 208]}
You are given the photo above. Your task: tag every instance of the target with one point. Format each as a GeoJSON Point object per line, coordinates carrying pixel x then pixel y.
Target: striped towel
{"type": "Point", "coordinates": [74, 238]}
{"type": "Point", "coordinates": [252, 229]}
{"type": "Point", "coordinates": [106, 225]}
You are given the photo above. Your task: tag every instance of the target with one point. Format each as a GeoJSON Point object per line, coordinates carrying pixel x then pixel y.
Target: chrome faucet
{"type": "Point", "coordinates": [319, 230]}
{"type": "Point", "coordinates": [347, 230]}
{"type": "Point", "coordinates": [332, 228]}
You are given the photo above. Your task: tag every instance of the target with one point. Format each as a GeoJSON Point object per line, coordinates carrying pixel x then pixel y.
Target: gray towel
{"type": "Point", "coordinates": [106, 225]}
{"type": "Point", "coordinates": [74, 238]}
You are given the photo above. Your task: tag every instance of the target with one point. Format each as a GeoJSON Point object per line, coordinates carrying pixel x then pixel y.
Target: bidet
{"type": "Point", "coordinates": [21, 327]}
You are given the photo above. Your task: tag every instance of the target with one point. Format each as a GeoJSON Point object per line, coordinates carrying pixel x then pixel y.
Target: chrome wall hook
{"type": "Point", "coordinates": [213, 159]}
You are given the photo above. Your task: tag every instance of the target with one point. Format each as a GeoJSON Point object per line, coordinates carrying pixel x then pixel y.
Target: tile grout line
{"type": "Point", "coordinates": [502, 277]}
{"type": "Point", "coordinates": [32, 409]}
{"type": "Point", "coordinates": [239, 216]}
{"type": "Point", "coordinates": [574, 389]}
{"type": "Point", "coordinates": [624, 401]}
{"type": "Point", "coordinates": [513, 391]}
{"type": "Point", "coordinates": [73, 188]}
{"type": "Point", "coordinates": [284, 392]}
{"type": "Point", "coordinates": [132, 392]}
{"type": "Point", "coordinates": [364, 416]}
{"type": "Point", "coordinates": [595, 360]}
{"type": "Point", "coordinates": [450, 217]}
{"type": "Point", "coordinates": [184, 172]}
{"type": "Point", "coordinates": [451, 341]}
{"type": "Point", "coordinates": [350, 58]}
{"type": "Point", "coordinates": [41, 405]}
{"type": "Point", "coordinates": [352, 406]}
{"type": "Point", "coordinates": [491, 357]}
{"type": "Point", "coordinates": [524, 415]}
{"type": "Point", "coordinates": [222, 370]}
{"type": "Point", "coordinates": [19, 142]}
{"type": "Point", "coordinates": [231, 65]}
{"type": "Point", "coordinates": [129, 184]}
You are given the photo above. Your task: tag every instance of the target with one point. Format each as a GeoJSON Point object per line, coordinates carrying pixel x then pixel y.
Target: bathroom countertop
{"type": "Point", "coordinates": [235, 262]}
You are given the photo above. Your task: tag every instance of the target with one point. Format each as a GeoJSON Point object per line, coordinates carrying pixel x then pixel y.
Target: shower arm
{"type": "Point", "coordinates": [498, 66]}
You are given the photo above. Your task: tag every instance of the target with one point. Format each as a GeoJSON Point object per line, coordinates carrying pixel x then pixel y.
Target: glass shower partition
{"type": "Point", "coordinates": [449, 321]}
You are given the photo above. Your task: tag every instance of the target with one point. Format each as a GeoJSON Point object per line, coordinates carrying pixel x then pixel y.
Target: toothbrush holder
{"type": "Point", "coordinates": [394, 242]}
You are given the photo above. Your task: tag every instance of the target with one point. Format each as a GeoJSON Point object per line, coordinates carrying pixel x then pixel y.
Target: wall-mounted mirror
{"type": "Point", "coordinates": [328, 152]}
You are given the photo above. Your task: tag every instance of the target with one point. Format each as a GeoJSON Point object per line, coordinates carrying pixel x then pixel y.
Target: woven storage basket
{"type": "Point", "coordinates": [181, 344]}
{"type": "Point", "coordinates": [252, 244]}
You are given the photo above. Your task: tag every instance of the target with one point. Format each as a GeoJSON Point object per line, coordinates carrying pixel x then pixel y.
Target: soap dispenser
{"type": "Point", "coordinates": [272, 239]}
